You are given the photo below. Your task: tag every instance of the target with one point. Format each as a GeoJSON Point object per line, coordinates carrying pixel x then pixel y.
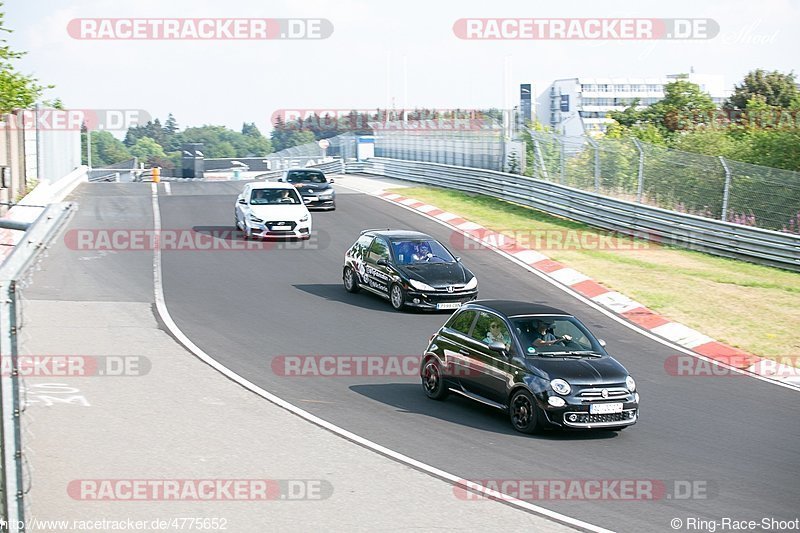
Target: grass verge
{"type": "Point", "coordinates": [752, 307]}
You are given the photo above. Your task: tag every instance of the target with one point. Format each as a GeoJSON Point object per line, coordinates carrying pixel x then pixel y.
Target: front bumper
{"type": "Point", "coordinates": [432, 300]}
{"type": "Point", "coordinates": [576, 414]}
{"type": "Point", "coordinates": [318, 202]}
{"type": "Point", "coordinates": [294, 230]}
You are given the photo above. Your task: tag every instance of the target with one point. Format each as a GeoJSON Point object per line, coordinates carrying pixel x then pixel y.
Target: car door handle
{"type": "Point", "coordinates": [464, 352]}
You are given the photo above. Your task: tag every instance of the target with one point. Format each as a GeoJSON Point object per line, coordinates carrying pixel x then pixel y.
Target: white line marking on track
{"type": "Point", "coordinates": [161, 308]}
{"type": "Point", "coordinates": [168, 188]}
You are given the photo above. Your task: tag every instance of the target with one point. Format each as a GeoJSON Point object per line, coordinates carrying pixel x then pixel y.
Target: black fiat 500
{"type": "Point", "coordinates": [409, 269]}
{"type": "Point", "coordinates": [539, 364]}
{"type": "Point", "coordinates": [315, 189]}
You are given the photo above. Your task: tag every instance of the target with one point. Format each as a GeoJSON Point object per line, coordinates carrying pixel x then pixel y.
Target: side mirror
{"type": "Point", "coordinates": [498, 346]}
{"type": "Point", "coordinates": [242, 201]}
{"type": "Point", "coordinates": [601, 342]}
{"type": "Point", "coordinates": [330, 180]}
{"type": "Point", "coordinates": [458, 259]}
{"type": "Point", "coordinates": [280, 179]}
{"type": "Point", "coordinates": [382, 262]}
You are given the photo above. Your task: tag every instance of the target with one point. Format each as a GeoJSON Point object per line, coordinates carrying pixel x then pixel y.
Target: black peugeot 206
{"type": "Point", "coordinates": [539, 364]}
{"type": "Point", "coordinates": [314, 187]}
{"type": "Point", "coordinates": [408, 268]}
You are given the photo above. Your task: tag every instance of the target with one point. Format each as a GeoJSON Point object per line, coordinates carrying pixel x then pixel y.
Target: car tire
{"type": "Point", "coordinates": [433, 380]}
{"type": "Point", "coordinates": [397, 297]}
{"type": "Point", "coordinates": [524, 413]}
{"type": "Point", "coordinates": [350, 281]}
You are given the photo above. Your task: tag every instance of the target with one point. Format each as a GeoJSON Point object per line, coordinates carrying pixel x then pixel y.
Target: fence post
{"type": "Point", "coordinates": [640, 186]}
{"type": "Point", "coordinates": [727, 190]}
{"type": "Point", "coordinates": [596, 149]}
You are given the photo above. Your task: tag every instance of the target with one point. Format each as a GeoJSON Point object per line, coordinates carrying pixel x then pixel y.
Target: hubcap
{"type": "Point", "coordinates": [348, 278]}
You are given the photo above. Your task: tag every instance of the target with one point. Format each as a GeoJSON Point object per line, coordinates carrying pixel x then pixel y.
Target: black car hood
{"type": "Point", "coordinates": [437, 274]}
{"type": "Point", "coordinates": [587, 370]}
{"type": "Point", "coordinates": [303, 188]}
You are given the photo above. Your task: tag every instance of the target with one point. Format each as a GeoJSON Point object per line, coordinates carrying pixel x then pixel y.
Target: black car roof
{"type": "Point", "coordinates": [515, 308]}
{"type": "Point", "coordinates": [397, 234]}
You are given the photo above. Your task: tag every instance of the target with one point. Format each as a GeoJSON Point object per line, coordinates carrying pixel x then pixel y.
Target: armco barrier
{"type": "Point", "coordinates": [14, 274]}
{"type": "Point", "coordinates": [715, 237]}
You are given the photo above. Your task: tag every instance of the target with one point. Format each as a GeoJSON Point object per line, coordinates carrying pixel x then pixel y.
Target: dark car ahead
{"type": "Point", "coordinates": [539, 364]}
{"type": "Point", "coordinates": [315, 189]}
{"type": "Point", "coordinates": [408, 268]}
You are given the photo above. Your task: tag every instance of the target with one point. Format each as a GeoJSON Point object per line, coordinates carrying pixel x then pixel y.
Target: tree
{"type": "Point", "coordinates": [776, 89]}
{"type": "Point", "coordinates": [147, 150]}
{"type": "Point", "coordinates": [683, 107]}
{"type": "Point", "coordinates": [17, 91]}
{"type": "Point", "coordinates": [106, 149]}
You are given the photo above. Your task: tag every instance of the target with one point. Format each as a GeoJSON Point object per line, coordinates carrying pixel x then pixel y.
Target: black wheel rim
{"type": "Point", "coordinates": [521, 411]}
{"type": "Point", "coordinates": [431, 378]}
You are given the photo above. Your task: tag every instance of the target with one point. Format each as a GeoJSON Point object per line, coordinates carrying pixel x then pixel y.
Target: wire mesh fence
{"type": "Point", "coordinates": [708, 186]}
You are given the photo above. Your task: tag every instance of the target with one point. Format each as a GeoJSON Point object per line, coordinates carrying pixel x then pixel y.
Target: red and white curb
{"type": "Point", "coordinates": [611, 300]}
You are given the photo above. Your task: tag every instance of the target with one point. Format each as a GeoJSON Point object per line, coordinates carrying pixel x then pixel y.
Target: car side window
{"type": "Point", "coordinates": [378, 250]}
{"type": "Point", "coordinates": [462, 322]}
{"type": "Point", "coordinates": [362, 245]}
{"type": "Point", "coordinates": [491, 328]}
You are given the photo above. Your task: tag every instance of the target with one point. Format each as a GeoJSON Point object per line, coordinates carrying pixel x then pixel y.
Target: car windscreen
{"type": "Point", "coordinates": [418, 251]}
{"type": "Point", "coordinates": [305, 176]}
{"type": "Point", "coordinates": [274, 197]}
{"type": "Point", "coordinates": [547, 335]}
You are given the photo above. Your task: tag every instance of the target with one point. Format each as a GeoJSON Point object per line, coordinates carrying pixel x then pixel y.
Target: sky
{"type": "Point", "coordinates": [362, 64]}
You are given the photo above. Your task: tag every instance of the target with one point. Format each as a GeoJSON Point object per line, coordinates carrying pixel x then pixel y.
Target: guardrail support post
{"type": "Point", "coordinates": [727, 190]}
{"type": "Point", "coordinates": [640, 186]}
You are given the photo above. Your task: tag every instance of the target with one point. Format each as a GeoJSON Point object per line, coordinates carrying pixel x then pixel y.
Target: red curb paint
{"type": "Point", "coordinates": [547, 265]}
{"type": "Point", "coordinates": [645, 318]}
{"type": "Point", "coordinates": [590, 288]}
{"type": "Point", "coordinates": [455, 221]}
{"type": "Point", "coordinates": [727, 354]}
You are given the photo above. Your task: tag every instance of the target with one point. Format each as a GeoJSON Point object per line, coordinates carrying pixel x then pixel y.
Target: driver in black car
{"type": "Point", "coordinates": [423, 252]}
{"type": "Point", "coordinates": [544, 336]}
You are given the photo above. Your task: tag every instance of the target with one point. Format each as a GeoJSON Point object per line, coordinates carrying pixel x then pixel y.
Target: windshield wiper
{"type": "Point", "coordinates": [575, 353]}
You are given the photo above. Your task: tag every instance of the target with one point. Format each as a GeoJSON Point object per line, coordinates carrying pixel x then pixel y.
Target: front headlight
{"type": "Point", "coordinates": [561, 386]}
{"type": "Point", "coordinates": [254, 218]}
{"type": "Point", "coordinates": [304, 218]}
{"type": "Point", "coordinates": [630, 383]}
{"type": "Point", "coordinates": [471, 284]}
{"type": "Point", "coordinates": [420, 286]}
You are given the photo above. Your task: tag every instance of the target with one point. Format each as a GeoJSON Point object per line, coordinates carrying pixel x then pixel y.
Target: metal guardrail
{"type": "Point", "coordinates": [13, 277]}
{"type": "Point", "coordinates": [641, 221]}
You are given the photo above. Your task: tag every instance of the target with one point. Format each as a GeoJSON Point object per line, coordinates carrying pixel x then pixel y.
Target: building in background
{"type": "Point", "coordinates": [575, 106]}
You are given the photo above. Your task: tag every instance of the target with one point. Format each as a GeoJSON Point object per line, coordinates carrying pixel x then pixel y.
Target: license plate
{"type": "Point", "coordinates": [605, 408]}
{"type": "Point", "coordinates": [310, 198]}
{"type": "Point", "coordinates": [281, 228]}
{"type": "Point", "coordinates": [448, 305]}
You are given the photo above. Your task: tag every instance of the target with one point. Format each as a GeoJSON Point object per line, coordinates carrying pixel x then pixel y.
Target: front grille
{"type": "Point", "coordinates": [287, 225]}
{"type": "Point", "coordinates": [596, 394]}
{"type": "Point", "coordinates": [445, 297]}
{"type": "Point", "coordinates": [585, 419]}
